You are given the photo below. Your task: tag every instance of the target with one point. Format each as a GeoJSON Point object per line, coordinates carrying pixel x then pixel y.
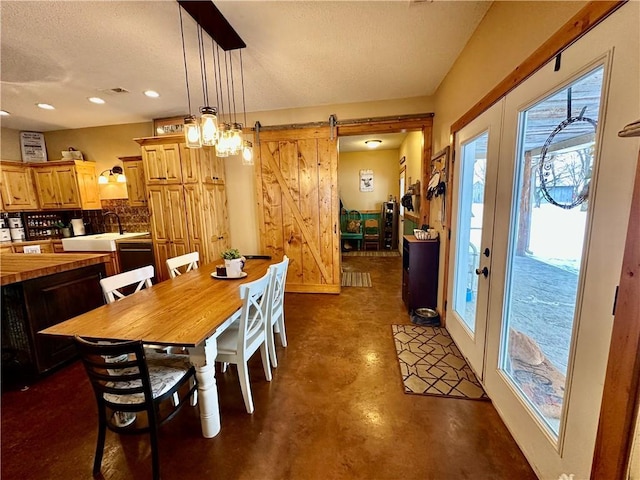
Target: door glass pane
{"type": "Point", "coordinates": [555, 162]}
{"type": "Point", "coordinates": [469, 228]}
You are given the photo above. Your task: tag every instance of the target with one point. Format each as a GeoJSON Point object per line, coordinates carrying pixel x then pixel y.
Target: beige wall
{"type": "Point", "coordinates": [10, 145]}
{"type": "Point", "coordinates": [384, 164]}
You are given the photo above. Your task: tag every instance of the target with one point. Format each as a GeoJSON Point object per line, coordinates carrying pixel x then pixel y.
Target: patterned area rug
{"type": "Point", "coordinates": [431, 364]}
{"type": "Point", "coordinates": [372, 253]}
{"type": "Point", "coordinates": [356, 279]}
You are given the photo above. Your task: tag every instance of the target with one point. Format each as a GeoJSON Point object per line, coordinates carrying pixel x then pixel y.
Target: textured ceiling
{"type": "Point", "coordinates": [299, 54]}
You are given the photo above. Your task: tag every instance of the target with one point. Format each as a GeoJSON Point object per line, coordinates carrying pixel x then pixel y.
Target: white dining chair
{"type": "Point", "coordinates": [278, 278]}
{"type": "Point", "coordinates": [140, 277]}
{"type": "Point", "coordinates": [189, 260]}
{"type": "Point", "coordinates": [247, 333]}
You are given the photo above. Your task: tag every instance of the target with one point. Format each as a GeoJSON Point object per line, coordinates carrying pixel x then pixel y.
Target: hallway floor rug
{"type": "Point", "coordinates": [356, 279]}
{"type": "Point", "coordinates": [431, 364]}
{"type": "Point", "coordinates": [372, 253]}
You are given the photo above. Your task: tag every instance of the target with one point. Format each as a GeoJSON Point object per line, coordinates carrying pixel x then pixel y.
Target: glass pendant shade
{"type": "Point", "coordinates": [209, 126]}
{"type": "Point", "coordinates": [247, 153]}
{"type": "Point", "coordinates": [102, 180]}
{"type": "Point", "coordinates": [222, 147]}
{"type": "Point", "coordinates": [192, 132]}
{"type": "Point", "coordinates": [121, 178]}
{"type": "Point", "coordinates": [235, 147]}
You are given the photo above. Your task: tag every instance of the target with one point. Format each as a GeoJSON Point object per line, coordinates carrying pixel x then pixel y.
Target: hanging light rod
{"type": "Point", "coordinates": [207, 15]}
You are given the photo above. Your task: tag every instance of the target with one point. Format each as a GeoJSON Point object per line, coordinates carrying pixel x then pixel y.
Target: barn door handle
{"type": "Point", "coordinates": [484, 271]}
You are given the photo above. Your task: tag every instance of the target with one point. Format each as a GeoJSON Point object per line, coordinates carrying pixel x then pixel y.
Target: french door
{"type": "Point", "coordinates": [555, 238]}
{"type": "Point", "coordinates": [475, 176]}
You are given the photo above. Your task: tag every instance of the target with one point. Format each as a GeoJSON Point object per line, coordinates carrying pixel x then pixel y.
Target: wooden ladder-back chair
{"type": "Point", "coordinates": [351, 227]}
{"type": "Point", "coordinates": [188, 260]}
{"type": "Point", "coordinates": [248, 333]}
{"type": "Point", "coordinates": [371, 233]}
{"type": "Point", "coordinates": [134, 385]}
{"type": "Point", "coordinates": [277, 283]}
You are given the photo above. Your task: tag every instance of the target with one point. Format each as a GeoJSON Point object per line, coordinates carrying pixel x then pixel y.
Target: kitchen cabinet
{"type": "Point", "coordinates": [134, 171]}
{"type": "Point", "coordinates": [67, 185]}
{"type": "Point", "coordinates": [420, 263]}
{"type": "Point", "coordinates": [162, 163]}
{"type": "Point", "coordinates": [17, 188]}
{"type": "Point", "coordinates": [212, 166]}
{"type": "Point", "coordinates": [187, 207]}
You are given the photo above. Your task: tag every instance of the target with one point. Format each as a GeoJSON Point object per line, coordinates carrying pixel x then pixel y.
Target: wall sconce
{"type": "Point", "coordinates": [108, 175]}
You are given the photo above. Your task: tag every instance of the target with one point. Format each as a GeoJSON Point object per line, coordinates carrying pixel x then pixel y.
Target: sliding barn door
{"type": "Point", "coordinates": [298, 207]}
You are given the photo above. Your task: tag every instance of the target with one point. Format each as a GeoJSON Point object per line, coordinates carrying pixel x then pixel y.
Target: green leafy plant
{"type": "Point", "coordinates": [230, 254]}
{"type": "Point", "coordinates": [59, 224]}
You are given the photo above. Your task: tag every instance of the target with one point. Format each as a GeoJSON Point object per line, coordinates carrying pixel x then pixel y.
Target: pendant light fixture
{"type": "Point", "coordinates": [247, 147]}
{"type": "Point", "coordinates": [212, 129]}
{"type": "Point", "coordinates": [191, 126]}
{"type": "Point", "coordinates": [208, 118]}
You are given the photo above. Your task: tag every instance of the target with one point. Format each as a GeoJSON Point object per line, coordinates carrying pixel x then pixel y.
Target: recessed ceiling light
{"type": "Point", "coordinates": [96, 100]}
{"type": "Point", "coordinates": [46, 106]}
{"type": "Point", "coordinates": [151, 93]}
{"type": "Point", "coordinates": [373, 143]}
{"type": "Point", "coordinates": [4, 113]}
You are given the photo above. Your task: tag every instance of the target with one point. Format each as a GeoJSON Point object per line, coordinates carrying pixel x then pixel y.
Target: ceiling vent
{"type": "Point", "coordinates": [115, 91]}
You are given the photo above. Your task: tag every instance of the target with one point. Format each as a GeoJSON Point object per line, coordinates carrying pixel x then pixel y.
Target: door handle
{"type": "Point", "coordinates": [484, 271]}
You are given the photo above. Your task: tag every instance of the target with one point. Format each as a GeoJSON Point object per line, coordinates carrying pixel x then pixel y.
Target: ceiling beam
{"type": "Point", "coordinates": [207, 15]}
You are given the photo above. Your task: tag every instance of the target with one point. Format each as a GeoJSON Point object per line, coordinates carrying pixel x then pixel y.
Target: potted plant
{"type": "Point", "coordinates": [233, 262]}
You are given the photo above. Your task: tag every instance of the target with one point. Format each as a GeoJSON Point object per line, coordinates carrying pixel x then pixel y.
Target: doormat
{"type": "Point", "coordinates": [372, 253]}
{"type": "Point", "coordinates": [356, 279]}
{"type": "Point", "coordinates": [431, 364]}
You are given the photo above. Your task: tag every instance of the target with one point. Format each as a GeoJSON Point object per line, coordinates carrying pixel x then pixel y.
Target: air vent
{"type": "Point", "coordinates": [114, 91]}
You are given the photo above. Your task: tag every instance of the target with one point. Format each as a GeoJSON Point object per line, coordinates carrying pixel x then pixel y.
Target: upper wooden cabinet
{"type": "Point", "coordinates": [67, 185]}
{"type": "Point", "coordinates": [134, 171]}
{"type": "Point", "coordinates": [17, 188]}
{"type": "Point", "coordinates": [162, 163]}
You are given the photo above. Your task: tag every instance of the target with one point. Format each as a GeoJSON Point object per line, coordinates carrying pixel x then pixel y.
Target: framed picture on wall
{"type": "Point", "coordinates": [366, 180]}
{"type": "Point", "coordinates": [32, 147]}
{"type": "Point", "coordinates": [168, 126]}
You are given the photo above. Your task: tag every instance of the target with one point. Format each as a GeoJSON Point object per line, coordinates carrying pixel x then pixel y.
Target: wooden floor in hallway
{"type": "Point", "coordinates": [334, 410]}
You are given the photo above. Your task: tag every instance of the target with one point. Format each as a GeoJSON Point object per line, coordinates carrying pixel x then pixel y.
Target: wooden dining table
{"type": "Point", "coordinates": [189, 311]}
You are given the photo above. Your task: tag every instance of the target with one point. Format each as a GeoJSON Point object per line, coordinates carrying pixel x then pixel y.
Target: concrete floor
{"type": "Point", "coordinates": [334, 410]}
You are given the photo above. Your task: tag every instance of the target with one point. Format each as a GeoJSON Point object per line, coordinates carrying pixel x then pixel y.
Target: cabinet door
{"type": "Point", "coordinates": [177, 214]}
{"type": "Point", "coordinates": [159, 219]}
{"type": "Point", "coordinates": [88, 186]}
{"type": "Point", "coordinates": [17, 188]}
{"type": "Point", "coordinates": [211, 166]}
{"type": "Point", "coordinates": [171, 154]}
{"type": "Point", "coordinates": [134, 171]}
{"type": "Point", "coordinates": [154, 164]}
{"type": "Point", "coordinates": [217, 220]}
{"type": "Point", "coordinates": [194, 209]}
{"type": "Point", "coordinates": [190, 164]}
{"type": "Point", "coordinates": [46, 187]}
{"type": "Point", "coordinates": [67, 184]}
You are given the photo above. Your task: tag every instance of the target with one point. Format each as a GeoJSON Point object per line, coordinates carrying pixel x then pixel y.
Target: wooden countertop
{"type": "Point", "coordinates": [18, 267]}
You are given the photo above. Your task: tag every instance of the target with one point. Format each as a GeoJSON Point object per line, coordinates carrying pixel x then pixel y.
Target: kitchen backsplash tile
{"type": "Point", "coordinates": [133, 219]}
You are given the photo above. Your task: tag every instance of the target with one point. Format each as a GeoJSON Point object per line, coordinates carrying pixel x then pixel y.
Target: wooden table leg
{"type": "Point", "coordinates": [203, 358]}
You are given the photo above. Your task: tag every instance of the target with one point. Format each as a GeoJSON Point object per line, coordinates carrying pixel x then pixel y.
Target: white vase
{"type": "Point", "coordinates": [234, 267]}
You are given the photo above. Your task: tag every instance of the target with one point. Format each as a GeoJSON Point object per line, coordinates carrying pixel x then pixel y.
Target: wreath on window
{"type": "Point", "coordinates": [555, 174]}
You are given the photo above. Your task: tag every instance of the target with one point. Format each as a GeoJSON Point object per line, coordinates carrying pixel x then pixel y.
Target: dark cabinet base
{"type": "Point", "coordinates": [34, 305]}
{"type": "Point", "coordinates": [420, 263]}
